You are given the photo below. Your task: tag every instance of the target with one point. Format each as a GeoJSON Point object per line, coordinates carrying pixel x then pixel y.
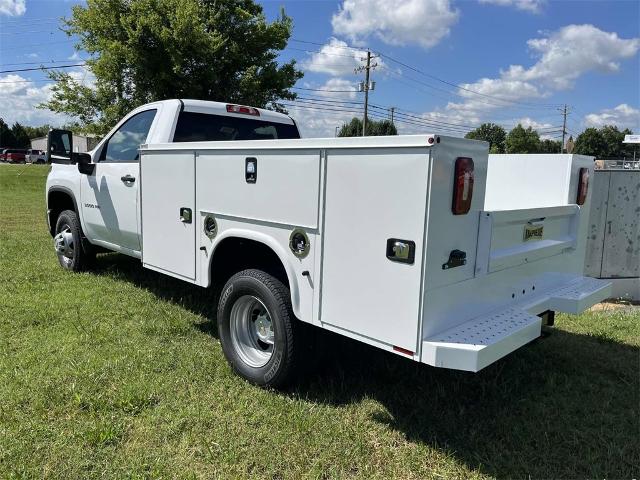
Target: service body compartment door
{"type": "Point", "coordinates": [374, 197]}
{"type": "Point", "coordinates": [168, 213]}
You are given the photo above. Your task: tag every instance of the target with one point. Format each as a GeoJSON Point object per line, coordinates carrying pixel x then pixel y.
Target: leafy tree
{"type": "Point", "coordinates": [7, 139]}
{"type": "Point", "coordinates": [605, 142]}
{"type": "Point", "coordinates": [614, 138]}
{"type": "Point", "coordinates": [521, 140]}
{"type": "Point", "coordinates": [374, 128]}
{"type": "Point", "coordinates": [35, 132]}
{"type": "Point", "coordinates": [492, 133]}
{"type": "Point", "coordinates": [591, 142]}
{"type": "Point", "coordinates": [549, 146]}
{"type": "Point", "coordinates": [22, 139]}
{"type": "Point", "coordinates": [147, 50]}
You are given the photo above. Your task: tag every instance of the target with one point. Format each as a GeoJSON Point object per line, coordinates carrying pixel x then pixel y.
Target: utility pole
{"type": "Point", "coordinates": [564, 126]}
{"type": "Point", "coordinates": [392, 109]}
{"type": "Point", "coordinates": [366, 86]}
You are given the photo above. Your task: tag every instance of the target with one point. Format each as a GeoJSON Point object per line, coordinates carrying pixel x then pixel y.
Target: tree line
{"type": "Point", "coordinates": [604, 142]}
{"type": "Point", "coordinates": [19, 136]}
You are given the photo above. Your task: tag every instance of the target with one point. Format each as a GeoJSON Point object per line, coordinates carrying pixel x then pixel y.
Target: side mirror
{"type": "Point", "coordinates": [59, 146]}
{"type": "Point", "coordinates": [84, 163]}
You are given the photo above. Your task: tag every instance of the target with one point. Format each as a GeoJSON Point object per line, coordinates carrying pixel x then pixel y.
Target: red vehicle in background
{"type": "Point", "coordinates": [14, 155]}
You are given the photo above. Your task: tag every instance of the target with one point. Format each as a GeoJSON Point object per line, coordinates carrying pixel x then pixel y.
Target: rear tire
{"type": "Point", "coordinates": [73, 252]}
{"type": "Point", "coordinates": [258, 331]}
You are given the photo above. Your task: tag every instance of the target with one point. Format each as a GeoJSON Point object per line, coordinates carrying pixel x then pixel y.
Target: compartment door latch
{"type": "Point", "coordinates": [457, 258]}
{"type": "Point", "coordinates": [185, 215]}
{"type": "Point", "coordinates": [403, 251]}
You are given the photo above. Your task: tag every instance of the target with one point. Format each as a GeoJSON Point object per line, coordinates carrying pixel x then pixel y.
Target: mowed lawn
{"type": "Point", "coordinates": [119, 373]}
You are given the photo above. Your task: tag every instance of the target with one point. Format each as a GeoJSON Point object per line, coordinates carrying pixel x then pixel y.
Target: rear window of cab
{"type": "Point", "coordinates": [203, 127]}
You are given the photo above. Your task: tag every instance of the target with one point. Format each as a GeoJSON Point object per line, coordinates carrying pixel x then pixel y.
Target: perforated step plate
{"type": "Point", "coordinates": [481, 341]}
{"type": "Point", "coordinates": [579, 295]}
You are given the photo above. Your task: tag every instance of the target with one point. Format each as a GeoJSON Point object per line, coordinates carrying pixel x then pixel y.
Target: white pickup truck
{"type": "Point", "coordinates": [419, 245]}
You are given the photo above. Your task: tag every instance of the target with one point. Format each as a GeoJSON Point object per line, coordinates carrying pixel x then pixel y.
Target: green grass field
{"type": "Point", "coordinates": [118, 373]}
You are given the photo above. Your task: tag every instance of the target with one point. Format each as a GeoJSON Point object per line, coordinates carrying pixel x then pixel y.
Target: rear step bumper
{"type": "Point", "coordinates": [481, 341]}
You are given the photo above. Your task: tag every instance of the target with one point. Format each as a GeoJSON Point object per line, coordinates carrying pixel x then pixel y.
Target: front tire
{"type": "Point", "coordinates": [73, 254]}
{"type": "Point", "coordinates": [258, 329]}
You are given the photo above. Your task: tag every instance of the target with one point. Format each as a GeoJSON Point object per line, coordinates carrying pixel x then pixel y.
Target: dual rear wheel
{"type": "Point", "coordinates": [259, 334]}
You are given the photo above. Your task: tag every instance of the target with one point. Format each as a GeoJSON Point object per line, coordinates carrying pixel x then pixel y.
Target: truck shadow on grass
{"type": "Point", "coordinates": [565, 406]}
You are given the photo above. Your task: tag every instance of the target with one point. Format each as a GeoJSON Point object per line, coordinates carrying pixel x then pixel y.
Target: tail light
{"type": "Point", "coordinates": [462, 186]}
{"type": "Point", "coordinates": [583, 186]}
{"type": "Point", "coordinates": [242, 109]}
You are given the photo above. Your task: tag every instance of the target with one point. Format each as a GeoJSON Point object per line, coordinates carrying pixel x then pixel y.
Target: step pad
{"type": "Point", "coordinates": [579, 295]}
{"type": "Point", "coordinates": [481, 341]}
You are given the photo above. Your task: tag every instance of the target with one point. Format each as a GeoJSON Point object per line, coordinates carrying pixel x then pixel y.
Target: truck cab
{"type": "Point", "coordinates": [107, 201]}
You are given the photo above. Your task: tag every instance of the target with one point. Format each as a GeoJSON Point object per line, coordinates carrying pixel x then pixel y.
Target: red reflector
{"type": "Point", "coordinates": [462, 186]}
{"type": "Point", "coordinates": [242, 109]}
{"type": "Point", "coordinates": [583, 186]}
{"type": "Point", "coordinates": [403, 350]}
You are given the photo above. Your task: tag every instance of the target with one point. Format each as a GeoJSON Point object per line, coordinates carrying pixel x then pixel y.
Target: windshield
{"type": "Point", "coordinates": [200, 127]}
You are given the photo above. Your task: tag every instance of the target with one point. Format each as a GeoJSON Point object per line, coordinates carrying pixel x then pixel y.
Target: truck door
{"type": "Point", "coordinates": [109, 197]}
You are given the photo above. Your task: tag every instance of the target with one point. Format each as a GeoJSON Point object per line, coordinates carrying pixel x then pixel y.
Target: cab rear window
{"type": "Point", "coordinates": [202, 127]}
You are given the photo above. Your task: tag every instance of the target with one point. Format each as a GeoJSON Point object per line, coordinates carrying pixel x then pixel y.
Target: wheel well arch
{"type": "Point", "coordinates": [58, 200]}
{"type": "Point", "coordinates": [238, 250]}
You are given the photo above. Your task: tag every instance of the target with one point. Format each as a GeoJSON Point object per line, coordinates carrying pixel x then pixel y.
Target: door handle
{"type": "Point", "coordinates": [128, 179]}
{"type": "Point", "coordinates": [609, 223]}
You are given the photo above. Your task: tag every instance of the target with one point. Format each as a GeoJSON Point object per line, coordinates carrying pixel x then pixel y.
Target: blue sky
{"type": "Point", "coordinates": [444, 65]}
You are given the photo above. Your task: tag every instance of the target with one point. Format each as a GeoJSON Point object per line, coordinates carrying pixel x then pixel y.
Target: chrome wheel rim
{"type": "Point", "coordinates": [251, 331]}
{"type": "Point", "coordinates": [63, 243]}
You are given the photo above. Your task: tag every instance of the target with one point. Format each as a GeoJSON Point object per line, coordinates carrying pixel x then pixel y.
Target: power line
{"type": "Point", "coordinates": [324, 90]}
{"type": "Point", "coordinates": [464, 88]}
{"type": "Point", "coordinates": [350, 110]}
{"type": "Point", "coordinates": [43, 68]}
{"type": "Point", "coordinates": [529, 104]}
{"type": "Point", "coordinates": [21, 32]}
{"type": "Point", "coordinates": [33, 63]}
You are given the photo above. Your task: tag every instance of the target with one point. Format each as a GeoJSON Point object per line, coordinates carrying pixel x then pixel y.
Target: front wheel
{"type": "Point", "coordinates": [67, 241]}
{"type": "Point", "coordinates": [258, 329]}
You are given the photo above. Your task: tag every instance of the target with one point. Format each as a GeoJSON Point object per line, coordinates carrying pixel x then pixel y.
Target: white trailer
{"type": "Point", "coordinates": [405, 243]}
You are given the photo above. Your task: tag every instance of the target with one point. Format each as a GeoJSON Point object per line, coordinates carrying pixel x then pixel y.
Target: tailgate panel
{"type": "Point", "coordinates": [514, 237]}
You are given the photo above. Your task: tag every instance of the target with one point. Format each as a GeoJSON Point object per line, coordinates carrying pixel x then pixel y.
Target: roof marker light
{"type": "Point", "coordinates": [242, 109]}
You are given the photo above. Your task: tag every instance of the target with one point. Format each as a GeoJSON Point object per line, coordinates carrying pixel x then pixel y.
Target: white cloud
{"type": "Point", "coordinates": [545, 129]}
{"type": "Point", "coordinates": [322, 120]}
{"type": "Point", "coordinates": [396, 22]}
{"type": "Point", "coordinates": [572, 51]}
{"type": "Point", "coordinates": [337, 88]}
{"type": "Point", "coordinates": [527, 122]}
{"type": "Point", "coordinates": [12, 8]}
{"type": "Point", "coordinates": [564, 56]}
{"type": "Point", "coordinates": [533, 6]}
{"type": "Point", "coordinates": [334, 58]}
{"type": "Point", "coordinates": [624, 116]}
{"type": "Point", "coordinates": [337, 58]}
{"type": "Point", "coordinates": [19, 97]}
